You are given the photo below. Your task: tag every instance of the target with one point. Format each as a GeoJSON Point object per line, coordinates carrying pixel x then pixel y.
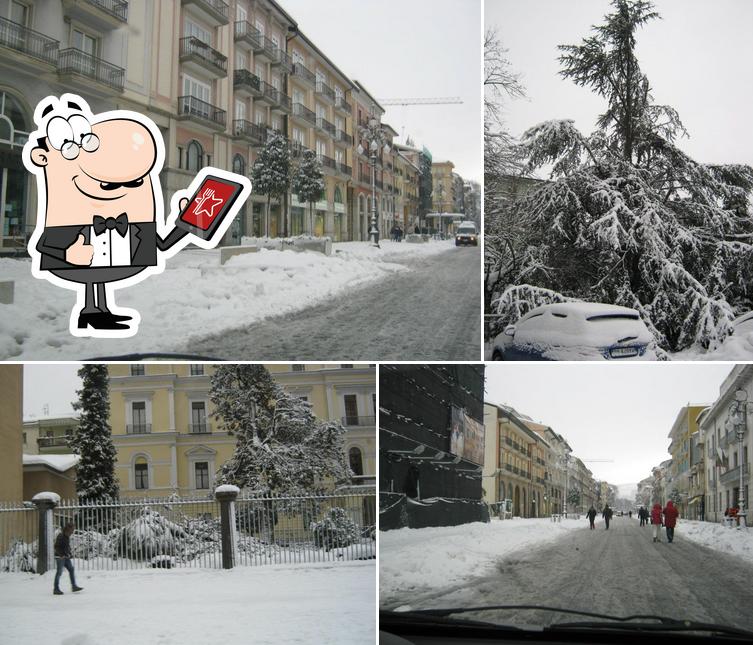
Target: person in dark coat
{"type": "Point", "coordinates": [591, 515]}
{"type": "Point", "coordinates": [607, 515]}
{"type": "Point", "coordinates": [63, 559]}
{"type": "Point", "coordinates": [670, 520]}
{"type": "Point", "coordinates": [656, 521]}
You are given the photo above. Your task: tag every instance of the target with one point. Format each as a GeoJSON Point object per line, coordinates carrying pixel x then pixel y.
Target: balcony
{"type": "Point", "coordinates": [278, 100]}
{"type": "Point", "coordinates": [282, 60]}
{"type": "Point", "coordinates": [303, 73]}
{"type": "Point", "coordinates": [244, 82]}
{"type": "Point", "coordinates": [303, 114]}
{"type": "Point", "coordinates": [364, 176]}
{"type": "Point", "coordinates": [345, 169]}
{"type": "Point", "coordinates": [327, 162]}
{"type": "Point", "coordinates": [265, 49]}
{"type": "Point", "coordinates": [192, 108]}
{"type": "Point", "coordinates": [197, 55]}
{"type": "Point", "coordinates": [33, 45]}
{"type": "Point", "coordinates": [344, 137]}
{"type": "Point", "coordinates": [255, 134]}
{"type": "Point", "coordinates": [139, 428]}
{"type": "Point", "coordinates": [60, 441]}
{"type": "Point", "coordinates": [342, 105]}
{"type": "Point", "coordinates": [79, 68]}
{"type": "Point", "coordinates": [103, 14]}
{"type": "Point", "coordinates": [215, 12]}
{"type": "Point", "coordinates": [248, 36]}
{"type": "Point", "coordinates": [325, 91]}
{"type": "Point", "coordinates": [732, 476]}
{"type": "Point", "coordinates": [326, 126]}
{"type": "Point", "coordinates": [360, 421]}
{"type": "Point", "coordinates": [199, 428]}
{"type": "Point", "coordinates": [297, 149]}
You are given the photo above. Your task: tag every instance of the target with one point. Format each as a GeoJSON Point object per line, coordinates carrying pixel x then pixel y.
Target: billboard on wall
{"type": "Point", "coordinates": [466, 436]}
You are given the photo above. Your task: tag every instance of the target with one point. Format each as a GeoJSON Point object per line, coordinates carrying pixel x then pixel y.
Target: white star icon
{"type": "Point", "coordinates": [206, 196]}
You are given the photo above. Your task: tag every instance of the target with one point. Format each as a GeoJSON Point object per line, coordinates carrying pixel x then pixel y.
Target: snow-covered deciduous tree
{"type": "Point", "coordinates": [92, 438]}
{"type": "Point", "coordinates": [281, 447]}
{"type": "Point", "coordinates": [270, 174]}
{"type": "Point", "coordinates": [573, 497]}
{"type": "Point", "coordinates": [627, 217]}
{"type": "Point", "coordinates": [308, 182]}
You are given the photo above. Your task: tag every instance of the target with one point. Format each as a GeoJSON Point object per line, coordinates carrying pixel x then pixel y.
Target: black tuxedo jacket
{"type": "Point", "coordinates": [56, 239]}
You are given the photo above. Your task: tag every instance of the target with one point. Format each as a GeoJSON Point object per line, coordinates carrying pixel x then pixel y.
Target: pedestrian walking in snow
{"type": "Point", "coordinates": [607, 515]}
{"type": "Point", "coordinates": [670, 520]}
{"type": "Point", "coordinates": [643, 515]}
{"type": "Point", "coordinates": [630, 515]}
{"type": "Point", "coordinates": [656, 521]}
{"type": "Point", "coordinates": [591, 515]}
{"type": "Point", "coordinates": [63, 558]}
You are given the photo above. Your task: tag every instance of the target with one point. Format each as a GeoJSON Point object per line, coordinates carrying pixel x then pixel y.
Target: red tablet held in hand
{"type": "Point", "coordinates": [209, 206]}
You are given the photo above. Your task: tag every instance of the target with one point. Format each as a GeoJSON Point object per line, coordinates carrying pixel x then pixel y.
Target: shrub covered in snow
{"type": "Point", "coordinates": [150, 534]}
{"type": "Point", "coordinates": [20, 557]}
{"type": "Point", "coordinates": [335, 530]}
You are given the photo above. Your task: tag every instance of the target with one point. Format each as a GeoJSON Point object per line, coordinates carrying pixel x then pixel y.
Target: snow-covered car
{"type": "Point", "coordinates": [466, 234]}
{"type": "Point", "coordinates": [576, 331]}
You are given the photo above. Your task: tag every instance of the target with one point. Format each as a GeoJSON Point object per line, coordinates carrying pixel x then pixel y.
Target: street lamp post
{"type": "Point", "coordinates": [738, 411]}
{"type": "Point", "coordinates": [376, 138]}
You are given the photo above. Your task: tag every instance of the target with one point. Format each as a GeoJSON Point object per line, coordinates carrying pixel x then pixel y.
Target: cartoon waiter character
{"type": "Point", "coordinates": [100, 219]}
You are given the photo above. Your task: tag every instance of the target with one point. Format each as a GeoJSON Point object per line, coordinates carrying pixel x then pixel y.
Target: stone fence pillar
{"type": "Point", "coordinates": [226, 495]}
{"type": "Point", "coordinates": [45, 502]}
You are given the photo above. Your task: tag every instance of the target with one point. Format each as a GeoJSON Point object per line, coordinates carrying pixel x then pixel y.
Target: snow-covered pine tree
{"type": "Point", "coordinates": [270, 174]}
{"type": "Point", "coordinates": [627, 217]}
{"type": "Point", "coordinates": [281, 447]}
{"type": "Point", "coordinates": [92, 438]}
{"type": "Point", "coordinates": [308, 182]}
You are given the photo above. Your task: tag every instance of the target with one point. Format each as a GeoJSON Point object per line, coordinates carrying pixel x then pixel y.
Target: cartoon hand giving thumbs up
{"type": "Point", "coordinates": [79, 252]}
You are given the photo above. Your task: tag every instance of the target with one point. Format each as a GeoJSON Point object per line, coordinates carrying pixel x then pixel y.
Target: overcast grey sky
{"type": "Point", "coordinates": [54, 384]}
{"type": "Point", "coordinates": [697, 58]}
{"type": "Point", "coordinates": [621, 412]}
{"type": "Point", "coordinates": [409, 49]}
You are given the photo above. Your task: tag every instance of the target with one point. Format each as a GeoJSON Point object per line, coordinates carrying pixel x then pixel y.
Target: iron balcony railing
{"type": "Point", "coordinates": [28, 41]}
{"type": "Point", "coordinates": [139, 428]}
{"type": "Point", "coordinates": [515, 470]}
{"type": "Point", "coordinates": [364, 175]}
{"type": "Point", "coordinates": [329, 162]}
{"type": "Point", "coordinates": [256, 132]}
{"type": "Point", "coordinates": [192, 106]}
{"type": "Point", "coordinates": [379, 184]}
{"type": "Point", "coordinates": [192, 46]}
{"type": "Point", "coordinates": [300, 110]}
{"type": "Point", "coordinates": [508, 467]}
{"type": "Point", "coordinates": [345, 169]}
{"type": "Point", "coordinates": [344, 137]}
{"type": "Point", "coordinates": [341, 103]}
{"type": "Point", "coordinates": [53, 442]}
{"type": "Point", "coordinates": [279, 57]}
{"type": "Point", "coordinates": [116, 8]}
{"type": "Point", "coordinates": [199, 428]}
{"type": "Point", "coordinates": [325, 125]}
{"type": "Point", "coordinates": [352, 420]}
{"type": "Point", "coordinates": [302, 72]}
{"type": "Point", "coordinates": [297, 149]}
{"type": "Point", "coordinates": [508, 441]}
{"type": "Point", "coordinates": [278, 96]}
{"type": "Point", "coordinates": [75, 61]}
{"type": "Point", "coordinates": [214, 6]}
{"type": "Point", "coordinates": [244, 78]}
{"type": "Point", "coordinates": [325, 90]}
{"type": "Point", "coordinates": [244, 30]}
{"type": "Point", "coordinates": [732, 476]}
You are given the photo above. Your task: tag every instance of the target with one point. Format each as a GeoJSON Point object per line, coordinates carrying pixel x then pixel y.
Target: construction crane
{"type": "Point", "coordinates": [439, 100]}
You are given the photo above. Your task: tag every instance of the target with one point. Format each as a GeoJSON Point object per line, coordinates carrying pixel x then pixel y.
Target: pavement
{"type": "Point", "coordinates": [619, 572]}
{"type": "Point", "coordinates": [431, 312]}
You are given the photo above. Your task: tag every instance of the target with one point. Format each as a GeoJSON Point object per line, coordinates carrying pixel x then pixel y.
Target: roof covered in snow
{"type": "Point", "coordinates": [60, 463]}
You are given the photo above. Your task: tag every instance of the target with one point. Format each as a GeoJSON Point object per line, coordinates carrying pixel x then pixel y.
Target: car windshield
{"type": "Point", "coordinates": [530, 495]}
{"type": "Point", "coordinates": [467, 230]}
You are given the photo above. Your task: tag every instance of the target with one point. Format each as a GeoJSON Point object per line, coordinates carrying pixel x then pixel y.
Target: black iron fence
{"type": "Point", "coordinates": [192, 106]}
{"type": "Point", "coordinates": [76, 61]}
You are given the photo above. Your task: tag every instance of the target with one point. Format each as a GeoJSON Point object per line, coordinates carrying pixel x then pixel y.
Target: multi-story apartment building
{"type": "Point", "coordinates": [581, 479]}
{"type": "Point", "coordinates": [697, 475]}
{"type": "Point", "coordinates": [11, 446]}
{"type": "Point", "coordinates": [168, 441]}
{"type": "Point", "coordinates": [723, 459]}
{"type": "Point", "coordinates": [680, 447]}
{"type": "Point", "coordinates": [216, 78]}
{"type": "Point", "coordinates": [458, 193]}
{"type": "Point", "coordinates": [49, 435]}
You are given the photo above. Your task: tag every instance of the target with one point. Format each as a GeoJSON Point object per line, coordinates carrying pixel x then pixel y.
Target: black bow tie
{"type": "Point", "coordinates": [101, 223]}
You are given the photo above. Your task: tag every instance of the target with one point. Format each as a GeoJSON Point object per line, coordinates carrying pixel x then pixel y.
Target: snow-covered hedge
{"type": "Point", "coordinates": [335, 530]}
{"type": "Point", "coordinates": [20, 557]}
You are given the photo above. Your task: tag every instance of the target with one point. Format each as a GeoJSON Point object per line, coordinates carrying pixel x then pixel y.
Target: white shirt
{"type": "Point", "coordinates": [111, 249]}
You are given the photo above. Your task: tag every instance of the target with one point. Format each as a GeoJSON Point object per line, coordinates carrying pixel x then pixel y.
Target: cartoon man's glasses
{"type": "Point", "coordinates": [71, 149]}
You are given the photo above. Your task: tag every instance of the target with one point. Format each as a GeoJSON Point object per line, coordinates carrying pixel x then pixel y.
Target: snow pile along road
{"type": "Point", "coordinates": [440, 556]}
{"type": "Point", "coordinates": [299, 604]}
{"type": "Point", "coordinates": [194, 297]}
{"type": "Point", "coordinates": [733, 541]}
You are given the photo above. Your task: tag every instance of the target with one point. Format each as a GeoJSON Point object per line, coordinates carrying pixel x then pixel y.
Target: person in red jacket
{"type": "Point", "coordinates": [670, 519]}
{"type": "Point", "coordinates": [656, 521]}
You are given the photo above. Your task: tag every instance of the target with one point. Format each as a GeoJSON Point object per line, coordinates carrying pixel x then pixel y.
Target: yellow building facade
{"type": "Point", "coordinates": [168, 440]}
{"type": "Point", "coordinates": [11, 449]}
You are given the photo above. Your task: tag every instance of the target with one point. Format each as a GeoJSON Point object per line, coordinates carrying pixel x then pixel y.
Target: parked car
{"type": "Point", "coordinates": [576, 331]}
{"type": "Point", "coordinates": [466, 234]}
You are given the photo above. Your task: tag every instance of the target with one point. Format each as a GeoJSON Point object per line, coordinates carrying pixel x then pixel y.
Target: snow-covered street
{"type": "Point", "coordinates": [276, 604]}
{"type": "Point", "coordinates": [196, 297]}
{"type": "Point", "coordinates": [430, 312]}
{"type": "Point", "coordinates": [618, 572]}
